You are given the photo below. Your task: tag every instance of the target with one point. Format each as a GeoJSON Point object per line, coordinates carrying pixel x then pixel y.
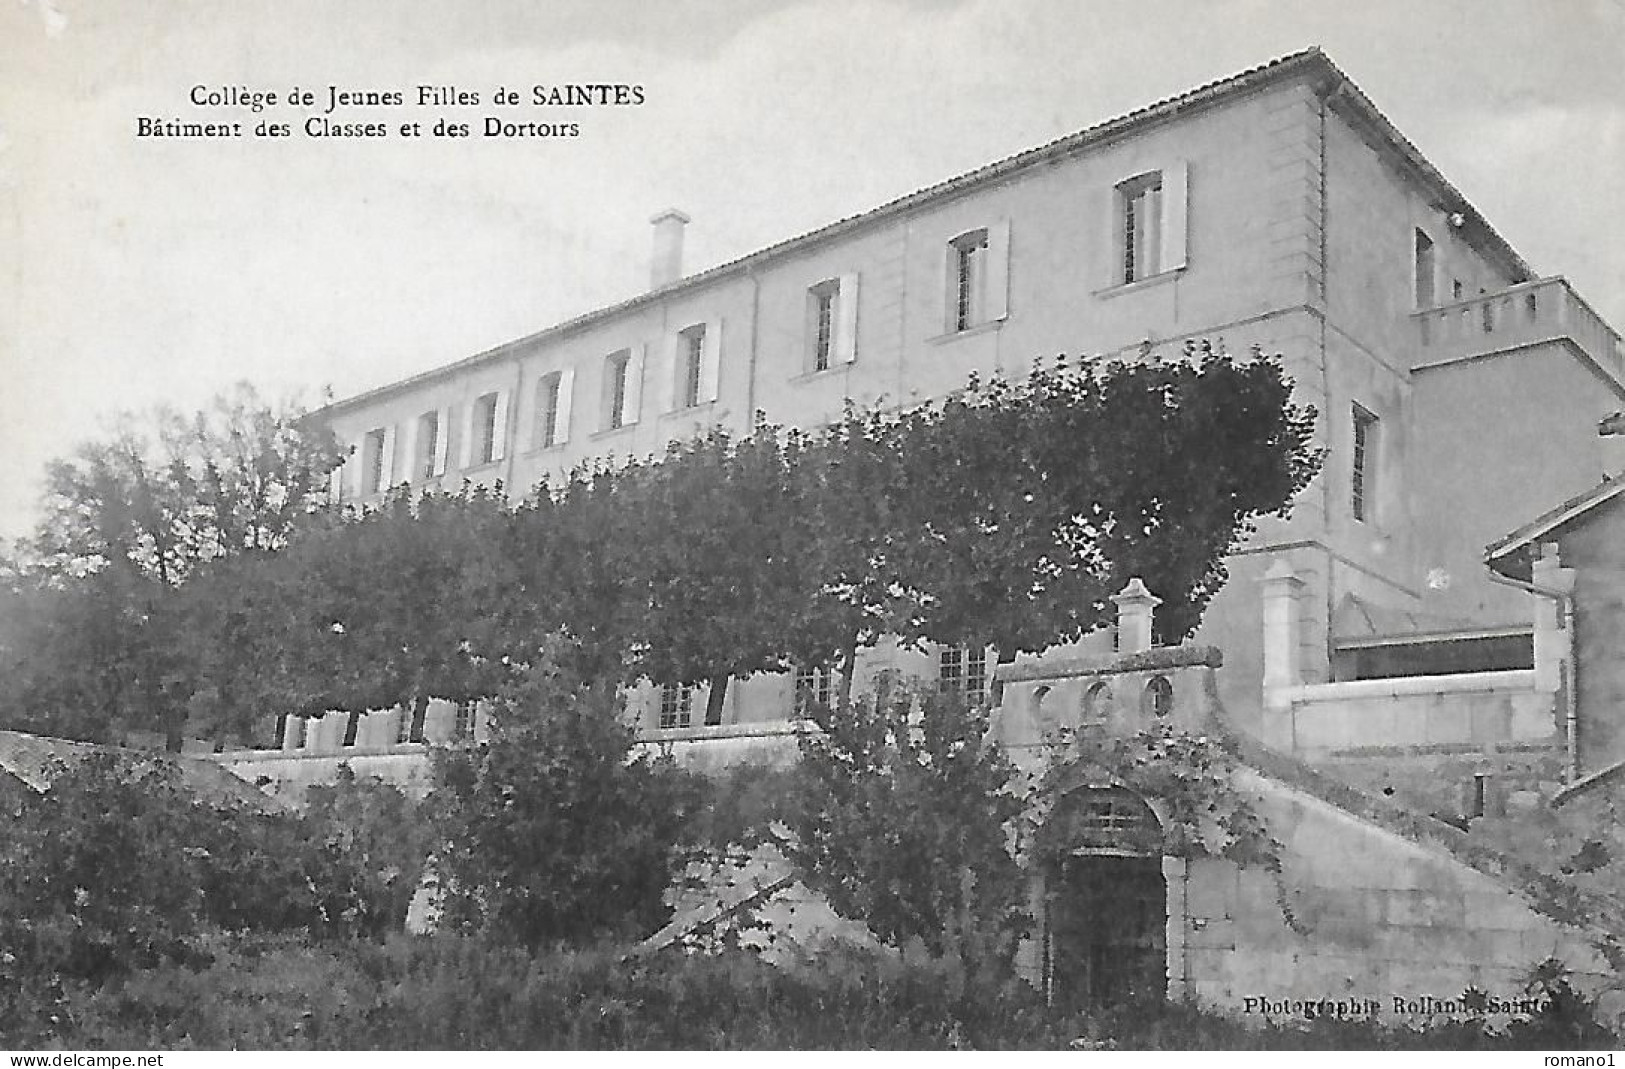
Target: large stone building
{"type": "Point", "coordinates": [1457, 390]}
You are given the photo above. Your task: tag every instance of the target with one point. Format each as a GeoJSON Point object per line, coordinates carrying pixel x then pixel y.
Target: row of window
{"type": "Point", "coordinates": [1149, 234]}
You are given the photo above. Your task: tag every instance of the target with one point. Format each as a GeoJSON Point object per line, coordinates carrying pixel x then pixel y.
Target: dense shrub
{"type": "Point", "coordinates": [555, 831]}
{"type": "Point", "coordinates": [453, 992]}
{"type": "Point", "coordinates": [904, 822]}
{"type": "Point", "coordinates": [119, 868]}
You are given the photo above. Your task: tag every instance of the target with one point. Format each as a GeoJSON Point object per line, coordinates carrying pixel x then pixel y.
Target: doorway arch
{"type": "Point", "coordinates": [1105, 901]}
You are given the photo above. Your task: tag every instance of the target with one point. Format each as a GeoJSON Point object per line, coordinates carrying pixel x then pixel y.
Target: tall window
{"type": "Point", "coordinates": [821, 313]}
{"type": "Point", "coordinates": [462, 729]}
{"type": "Point", "coordinates": [676, 705]}
{"type": "Point", "coordinates": [1424, 270]}
{"type": "Point", "coordinates": [1363, 466]}
{"type": "Point", "coordinates": [813, 686]}
{"type": "Point", "coordinates": [616, 384]}
{"type": "Point", "coordinates": [547, 409]}
{"type": "Point", "coordinates": [962, 670]}
{"type": "Point", "coordinates": [967, 258]}
{"type": "Point", "coordinates": [691, 364]}
{"type": "Point", "coordinates": [1141, 217]}
{"type": "Point", "coordinates": [374, 460]}
{"type": "Point", "coordinates": [485, 429]}
{"type": "Point", "coordinates": [428, 447]}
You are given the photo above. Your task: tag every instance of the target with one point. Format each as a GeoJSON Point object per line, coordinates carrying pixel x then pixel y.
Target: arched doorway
{"type": "Point", "coordinates": [1106, 901]}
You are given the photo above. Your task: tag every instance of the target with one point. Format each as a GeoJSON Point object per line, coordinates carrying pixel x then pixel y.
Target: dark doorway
{"type": "Point", "coordinates": [1108, 940]}
{"type": "Point", "coordinates": [1106, 902]}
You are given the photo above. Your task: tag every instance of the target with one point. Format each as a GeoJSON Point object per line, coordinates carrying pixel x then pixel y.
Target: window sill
{"type": "Point", "coordinates": [822, 373]}
{"type": "Point", "coordinates": [539, 450]}
{"type": "Point", "coordinates": [1139, 284]}
{"type": "Point", "coordinates": [480, 469]}
{"type": "Point", "coordinates": [691, 411]}
{"type": "Point", "coordinates": [611, 432]}
{"type": "Point", "coordinates": [989, 327]}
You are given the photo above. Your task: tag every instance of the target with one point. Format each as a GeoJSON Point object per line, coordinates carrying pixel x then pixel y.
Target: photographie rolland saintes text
{"type": "Point", "coordinates": [329, 121]}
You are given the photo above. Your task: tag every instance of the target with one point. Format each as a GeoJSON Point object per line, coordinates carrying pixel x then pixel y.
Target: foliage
{"type": "Point", "coordinates": [99, 638]}
{"type": "Point", "coordinates": [903, 823]}
{"type": "Point", "coordinates": [554, 831]}
{"type": "Point", "coordinates": [1189, 781]}
{"type": "Point", "coordinates": [384, 837]}
{"type": "Point", "coordinates": [722, 550]}
{"type": "Point", "coordinates": [396, 605]}
{"type": "Point", "coordinates": [457, 993]}
{"type": "Point", "coordinates": [166, 493]}
{"type": "Point", "coordinates": [119, 867]}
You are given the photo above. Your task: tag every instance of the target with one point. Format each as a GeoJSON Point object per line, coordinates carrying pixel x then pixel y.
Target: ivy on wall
{"type": "Point", "coordinates": [1189, 782]}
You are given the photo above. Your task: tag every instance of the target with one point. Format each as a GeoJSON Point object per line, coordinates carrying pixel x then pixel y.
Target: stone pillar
{"type": "Point", "coordinates": [1552, 642]}
{"type": "Point", "coordinates": [1282, 670]}
{"type": "Point", "coordinates": [1134, 607]}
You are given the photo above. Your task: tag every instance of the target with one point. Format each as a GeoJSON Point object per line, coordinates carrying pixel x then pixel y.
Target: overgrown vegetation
{"type": "Point", "coordinates": [197, 577]}
{"type": "Point", "coordinates": [192, 582]}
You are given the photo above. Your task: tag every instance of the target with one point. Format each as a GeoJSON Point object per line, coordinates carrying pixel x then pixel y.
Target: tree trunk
{"type": "Point", "coordinates": [714, 700]}
{"type": "Point", "coordinates": [174, 726]}
{"type": "Point", "coordinates": [995, 688]}
{"type": "Point", "coordinates": [849, 663]}
{"type": "Point", "coordinates": [420, 710]}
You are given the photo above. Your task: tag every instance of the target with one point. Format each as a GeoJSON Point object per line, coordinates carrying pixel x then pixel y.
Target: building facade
{"type": "Point", "coordinates": [1457, 391]}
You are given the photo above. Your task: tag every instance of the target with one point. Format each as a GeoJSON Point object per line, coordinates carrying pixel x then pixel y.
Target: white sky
{"type": "Point", "coordinates": [135, 271]}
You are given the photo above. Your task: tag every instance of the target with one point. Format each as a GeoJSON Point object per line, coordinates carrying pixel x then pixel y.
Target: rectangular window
{"type": "Point", "coordinates": [676, 705]}
{"type": "Point", "coordinates": [962, 670]}
{"type": "Point", "coordinates": [462, 729]}
{"type": "Point", "coordinates": [1424, 270]}
{"type": "Point", "coordinates": [485, 430]}
{"type": "Point", "coordinates": [617, 383]}
{"type": "Point", "coordinates": [1141, 218]}
{"type": "Point", "coordinates": [691, 367]}
{"type": "Point", "coordinates": [1363, 466]}
{"type": "Point", "coordinates": [814, 685]}
{"type": "Point", "coordinates": [547, 409]}
{"type": "Point", "coordinates": [429, 447]}
{"type": "Point", "coordinates": [967, 263]}
{"type": "Point", "coordinates": [373, 461]}
{"type": "Point", "coordinates": [821, 313]}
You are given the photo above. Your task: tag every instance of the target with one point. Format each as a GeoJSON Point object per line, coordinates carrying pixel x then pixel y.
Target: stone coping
{"type": "Point", "coordinates": [1511, 679]}
{"type": "Point", "coordinates": [1162, 657]}
{"type": "Point", "coordinates": [757, 729]}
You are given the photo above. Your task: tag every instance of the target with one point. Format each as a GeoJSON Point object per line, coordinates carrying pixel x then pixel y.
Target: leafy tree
{"type": "Point", "coordinates": [721, 559]}
{"type": "Point", "coordinates": [902, 822]}
{"type": "Point", "coordinates": [863, 512]}
{"type": "Point", "coordinates": [396, 605]}
{"type": "Point", "coordinates": [1039, 500]}
{"type": "Point", "coordinates": [579, 582]}
{"type": "Point", "coordinates": [234, 478]}
{"type": "Point", "coordinates": [554, 831]}
{"type": "Point", "coordinates": [131, 520]}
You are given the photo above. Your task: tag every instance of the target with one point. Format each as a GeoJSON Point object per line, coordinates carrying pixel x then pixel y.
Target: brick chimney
{"type": "Point", "coordinates": [666, 262]}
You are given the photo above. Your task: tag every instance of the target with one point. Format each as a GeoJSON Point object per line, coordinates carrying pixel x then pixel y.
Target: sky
{"type": "Point", "coordinates": [137, 271]}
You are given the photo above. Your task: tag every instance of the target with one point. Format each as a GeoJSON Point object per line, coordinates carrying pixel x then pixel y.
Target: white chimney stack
{"type": "Point", "coordinates": [666, 264]}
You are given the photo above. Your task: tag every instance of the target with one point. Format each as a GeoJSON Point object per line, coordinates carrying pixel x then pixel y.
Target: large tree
{"type": "Point", "coordinates": [129, 522]}
{"type": "Point", "coordinates": [720, 562]}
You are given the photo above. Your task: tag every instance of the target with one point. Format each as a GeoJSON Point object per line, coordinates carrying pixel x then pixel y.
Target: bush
{"type": "Point", "coordinates": [903, 820]}
{"type": "Point", "coordinates": [451, 992]}
{"type": "Point", "coordinates": [554, 832]}
{"type": "Point", "coordinates": [118, 868]}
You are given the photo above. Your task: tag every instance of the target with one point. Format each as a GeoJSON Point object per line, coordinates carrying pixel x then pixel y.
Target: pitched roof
{"type": "Point", "coordinates": [1544, 524]}
{"type": "Point", "coordinates": [1309, 62]}
{"type": "Point", "coordinates": [37, 761]}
